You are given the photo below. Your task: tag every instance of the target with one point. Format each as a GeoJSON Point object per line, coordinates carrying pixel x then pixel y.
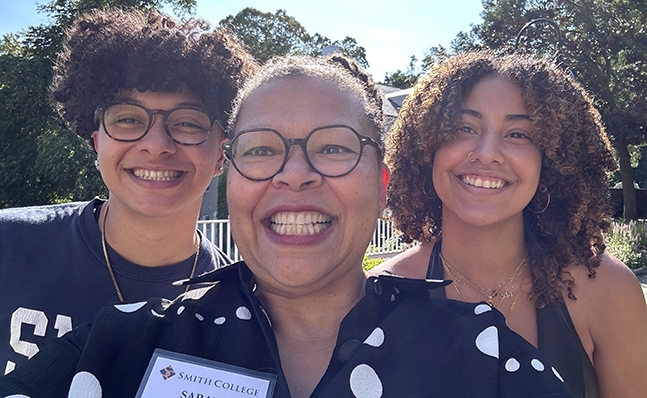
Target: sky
{"type": "Point", "coordinates": [390, 31]}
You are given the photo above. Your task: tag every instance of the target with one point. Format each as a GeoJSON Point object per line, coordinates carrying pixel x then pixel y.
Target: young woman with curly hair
{"type": "Point", "coordinates": [500, 173]}
{"type": "Point", "coordinates": [150, 93]}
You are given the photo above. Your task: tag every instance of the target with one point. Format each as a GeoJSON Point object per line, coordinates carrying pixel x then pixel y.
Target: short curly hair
{"type": "Point", "coordinates": [576, 159]}
{"type": "Point", "coordinates": [107, 51]}
{"type": "Point", "coordinates": [341, 71]}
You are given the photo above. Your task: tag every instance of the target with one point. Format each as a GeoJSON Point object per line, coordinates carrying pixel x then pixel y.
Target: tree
{"type": "Point", "coordinates": [408, 79]}
{"type": "Point", "coordinates": [267, 35]}
{"type": "Point", "coordinates": [41, 159]}
{"type": "Point", "coordinates": [604, 45]}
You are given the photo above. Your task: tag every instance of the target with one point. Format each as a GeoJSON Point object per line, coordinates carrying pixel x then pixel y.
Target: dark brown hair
{"type": "Point", "coordinates": [111, 50]}
{"type": "Point", "coordinates": [576, 156]}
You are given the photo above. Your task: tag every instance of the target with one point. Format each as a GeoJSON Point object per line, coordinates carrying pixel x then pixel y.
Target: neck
{"type": "Point", "coordinates": [487, 255]}
{"type": "Point", "coordinates": [306, 330]}
{"type": "Point", "coordinates": [148, 241]}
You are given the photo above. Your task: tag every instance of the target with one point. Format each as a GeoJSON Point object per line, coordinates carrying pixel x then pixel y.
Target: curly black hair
{"type": "Point", "coordinates": [107, 51]}
{"type": "Point", "coordinates": [576, 159]}
{"type": "Point", "coordinates": [341, 71]}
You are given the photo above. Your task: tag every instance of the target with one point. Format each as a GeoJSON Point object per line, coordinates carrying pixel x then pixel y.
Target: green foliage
{"type": "Point", "coordinates": [628, 242]}
{"type": "Point", "coordinates": [267, 35]}
{"type": "Point", "coordinates": [371, 262]}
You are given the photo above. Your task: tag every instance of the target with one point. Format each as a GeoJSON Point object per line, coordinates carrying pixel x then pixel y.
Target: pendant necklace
{"type": "Point", "coordinates": [489, 293]}
{"type": "Point", "coordinates": [112, 274]}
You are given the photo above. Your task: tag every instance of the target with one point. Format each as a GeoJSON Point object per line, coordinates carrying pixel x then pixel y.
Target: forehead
{"type": "Point", "coordinates": [301, 104]}
{"type": "Point", "coordinates": [496, 93]}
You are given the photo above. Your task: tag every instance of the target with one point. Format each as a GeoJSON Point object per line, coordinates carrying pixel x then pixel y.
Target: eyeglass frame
{"type": "Point", "coordinates": [288, 143]}
{"type": "Point", "coordinates": [99, 119]}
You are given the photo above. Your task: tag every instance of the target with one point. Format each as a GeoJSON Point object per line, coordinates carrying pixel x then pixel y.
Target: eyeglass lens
{"type": "Point", "coordinates": [331, 151]}
{"type": "Point", "coordinates": [130, 122]}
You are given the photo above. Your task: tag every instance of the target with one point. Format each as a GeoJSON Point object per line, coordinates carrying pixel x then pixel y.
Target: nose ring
{"type": "Point", "coordinates": [469, 157]}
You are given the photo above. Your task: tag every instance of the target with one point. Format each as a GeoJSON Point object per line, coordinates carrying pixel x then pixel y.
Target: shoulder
{"type": "Point", "coordinates": [411, 263]}
{"type": "Point", "coordinates": [40, 214]}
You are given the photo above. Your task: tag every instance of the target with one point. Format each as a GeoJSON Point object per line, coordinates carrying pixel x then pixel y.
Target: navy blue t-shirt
{"type": "Point", "coordinates": [53, 276]}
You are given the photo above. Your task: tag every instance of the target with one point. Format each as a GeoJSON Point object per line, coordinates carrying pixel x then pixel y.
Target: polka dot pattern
{"type": "Point", "coordinates": [243, 313]}
{"type": "Point", "coordinates": [199, 317]}
{"type": "Point", "coordinates": [488, 341]}
{"type": "Point", "coordinates": [157, 314]}
{"type": "Point", "coordinates": [85, 385]}
{"type": "Point", "coordinates": [376, 338]}
{"type": "Point", "coordinates": [512, 365]}
{"type": "Point", "coordinates": [538, 365]}
{"type": "Point", "coordinates": [482, 308]}
{"type": "Point", "coordinates": [220, 320]}
{"type": "Point", "coordinates": [130, 308]}
{"type": "Point", "coordinates": [17, 396]}
{"type": "Point", "coordinates": [180, 309]}
{"type": "Point", "coordinates": [365, 383]}
{"type": "Point", "coordinates": [557, 374]}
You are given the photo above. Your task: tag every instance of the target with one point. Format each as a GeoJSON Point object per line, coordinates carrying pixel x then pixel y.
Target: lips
{"type": "Point", "coordinates": [157, 175]}
{"type": "Point", "coordinates": [484, 182]}
{"type": "Point", "coordinates": [299, 223]}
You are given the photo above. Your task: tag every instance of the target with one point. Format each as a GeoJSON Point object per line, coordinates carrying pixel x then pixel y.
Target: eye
{"type": "Point", "coordinates": [519, 135]}
{"type": "Point", "coordinates": [260, 151]}
{"type": "Point", "coordinates": [334, 150]}
{"type": "Point", "coordinates": [465, 130]}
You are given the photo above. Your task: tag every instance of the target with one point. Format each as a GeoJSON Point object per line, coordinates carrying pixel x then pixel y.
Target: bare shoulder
{"type": "Point", "coordinates": [411, 263]}
{"type": "Point", "coordinates": [613, 282]}
{"type": "Point", "coordinates": [610, 315]}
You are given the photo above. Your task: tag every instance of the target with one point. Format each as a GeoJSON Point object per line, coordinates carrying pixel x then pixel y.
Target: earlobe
{"type": "Point", "coordinates": [220, 162]}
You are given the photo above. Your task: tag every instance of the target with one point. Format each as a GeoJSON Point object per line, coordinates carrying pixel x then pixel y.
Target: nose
{"type": "Point", "coordinates": [156, 140]}
{"type": "Point", "coordinates": [297, 173]}
{"type": "Point", "coordinates": [488, 148]}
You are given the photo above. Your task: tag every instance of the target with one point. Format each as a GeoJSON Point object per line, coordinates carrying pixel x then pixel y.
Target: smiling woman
{"type": "Point", "coordinates": [500, 172]}
{"type": "Point", "coordinates": [299, 314]}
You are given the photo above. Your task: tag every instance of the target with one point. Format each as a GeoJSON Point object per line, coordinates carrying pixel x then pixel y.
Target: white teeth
{"type": "Point", "coordinates": [481, 183]}
{"type": "Point", "coordinates": [304, 223]}
{"type": "Point", "coordinates": [162, 175]}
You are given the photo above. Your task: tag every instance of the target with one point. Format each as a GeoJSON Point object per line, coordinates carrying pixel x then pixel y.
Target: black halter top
{"type": "Point", "coordinates": [557, 338]}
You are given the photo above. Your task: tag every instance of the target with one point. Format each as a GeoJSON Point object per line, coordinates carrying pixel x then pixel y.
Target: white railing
{"type": "Point", "coordinates": [384, 241]}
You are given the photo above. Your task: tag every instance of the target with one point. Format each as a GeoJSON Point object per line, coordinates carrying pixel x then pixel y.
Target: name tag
{"type": "Point", "coordinates": [175, 375]}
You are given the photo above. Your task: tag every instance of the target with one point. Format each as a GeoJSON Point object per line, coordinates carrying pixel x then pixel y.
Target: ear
{"type": "Point", "coordinates": [386, 177]}
{"type": "Point", "coordinates": [220, 161]}
{"type": "Point", "coordinates": [95, 140]}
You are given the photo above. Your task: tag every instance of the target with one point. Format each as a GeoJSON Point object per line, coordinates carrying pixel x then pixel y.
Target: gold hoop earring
{"type": "Point", "coordinates": [469, 157]}
{"type": "Point", "coordinates": [545, 207]}
{"type": "Point", "coordinates": [424, 190]}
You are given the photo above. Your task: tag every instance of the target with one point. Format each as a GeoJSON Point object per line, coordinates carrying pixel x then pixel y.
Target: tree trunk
{"type": "Point", "coordinates": [627, 176]}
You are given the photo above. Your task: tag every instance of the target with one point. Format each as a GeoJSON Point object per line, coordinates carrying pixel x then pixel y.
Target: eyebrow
{"type": "Point", "coordinates": [130, 100]}
{"type": "Point", "coordinates": [509, 118]}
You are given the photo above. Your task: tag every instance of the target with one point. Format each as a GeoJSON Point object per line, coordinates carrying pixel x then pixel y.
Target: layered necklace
{"type": "Point", "coordinates": [112, 274]}
{"type": "Point", "coordinates": [490, 294]}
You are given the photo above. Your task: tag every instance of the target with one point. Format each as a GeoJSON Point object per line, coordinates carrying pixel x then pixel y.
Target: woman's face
{"type": "Point", "coordinates": [300, 232]}
{"type": "Point", "coordinates": [502, 173]}
{"type": "Point", "coordinates": [156, 176]}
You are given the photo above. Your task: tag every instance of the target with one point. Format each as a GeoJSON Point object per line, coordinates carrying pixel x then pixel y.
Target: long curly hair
{"type": "Point", "coordinates": [576, 159]}
{"type": "Point", "coordinates": [107, 51]}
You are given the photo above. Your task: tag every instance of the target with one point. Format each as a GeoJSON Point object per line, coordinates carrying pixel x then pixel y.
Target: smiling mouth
{"type": "Point", "coordinates": [303, 223]}
{"type": "Point", "coordinates": [480, 182]}
{"type": "Point", "coordinates": [153, 175]}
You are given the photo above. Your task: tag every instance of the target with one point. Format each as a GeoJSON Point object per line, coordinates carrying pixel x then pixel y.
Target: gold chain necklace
{"type": "Point", "coordinates": [112, 274]}
{"type": "Point", "coordinates": [489, 293]}
{"type": "Point", "coordinates": [462, 297]}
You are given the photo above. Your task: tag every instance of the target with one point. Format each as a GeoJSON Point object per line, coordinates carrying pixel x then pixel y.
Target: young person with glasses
{"type": "Point", "coordinates": [298, 318]}
{"type": "Point", "coordinates": [150, 94]}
